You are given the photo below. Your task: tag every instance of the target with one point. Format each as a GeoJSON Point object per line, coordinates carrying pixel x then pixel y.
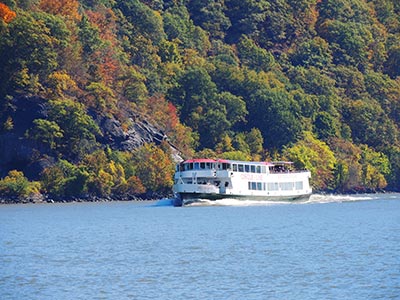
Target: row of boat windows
{"type": "Point", "coordinates": [275, 186]}
{"type": "Point", "coordinates": [224, 166]}
{"type": "Point", "coordinates": [248, 168]}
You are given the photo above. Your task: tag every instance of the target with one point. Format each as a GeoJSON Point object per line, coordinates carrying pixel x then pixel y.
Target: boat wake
{"type": "Point", "coordinates": [314, 199]}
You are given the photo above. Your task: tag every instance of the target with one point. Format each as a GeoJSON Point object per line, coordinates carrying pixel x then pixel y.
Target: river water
{"type": "Point", "coordinates": [330, 247]}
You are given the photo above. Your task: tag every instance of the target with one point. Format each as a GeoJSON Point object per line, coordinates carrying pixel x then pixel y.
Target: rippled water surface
{"type": "Point", "coordinates": [331, 247]}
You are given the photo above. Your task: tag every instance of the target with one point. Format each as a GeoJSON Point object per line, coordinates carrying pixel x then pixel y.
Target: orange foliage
{"type": "Point", "coordinates": [165, 114]}
{"type": "Point", "coordinates": [135, 185]}
{"type": "Point", "coordinates": [105, 20]}
{"type": "Point", "coordinates": [162, 112]}
{"type": "Point", "coordinates": [67, 8]}
{"type": "Point", "coordinates": [108, 65]}
{"type": "Point", "coordinates": [6, 13]}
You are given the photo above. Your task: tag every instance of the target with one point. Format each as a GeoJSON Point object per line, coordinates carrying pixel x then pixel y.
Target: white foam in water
{"type": "Point", "coordinates": [318, 198]}
{"type": "Point", "coordinates": [315, 198]}
{"type": "Point", "coordinates": [234, 202]}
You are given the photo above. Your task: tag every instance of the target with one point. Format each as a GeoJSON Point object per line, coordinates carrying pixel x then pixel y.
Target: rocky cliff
{"type": "Point", "coordinates": [18, 151]}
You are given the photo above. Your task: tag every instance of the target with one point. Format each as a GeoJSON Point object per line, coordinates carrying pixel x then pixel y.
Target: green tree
{"type": "Point", "coordinates": [210, 15]}
{"type": "Point", "coordinates": [100, 97]}
{"type": "Point", "coordinates": [64, 179]}
{"type": "Point", "coordinates": [386, 91]}
{"type": "Point", "coordinates": [278, 24]}
{"type": "Point", "coordinates": [393, 154]}
{"type": "Point", "coordinates": [392, 64]}
{"type": "Point", "coordinates": [326, 126]}
{"type": "Point", "coordinates": [27, 52]}
{"type": "Point", "coordinates": [375, 167]}
{"type": "Point", "coordinates": [313, 52]}
{"type": "Point", "coordinates": [350, 42]}
{"type": "Point", "coordinates": [254, 56]}
{"type": "Point", "coordinates": [79, 129]}
{"type": "Point", "coordinates": [16, 184]}
{"type": "Point", "coordinates": [146, 21]}
{"type": "Point", "coordinates": [369, 124]}
{"type": "Point", "coordinates": [193, 93]}
{"type": "Point", "coordinates": [246, 17]}
{"type": "Point", "coordinates": [235, 107]}
{"type": "Point", "coordinates": [276, 115]}
{"type": "Point", "coordinates": [348, 167]}
{"type": "Point", "coordinates": [89, 36]}
{"type": "Point", "coordinates": [239, 142]}
{"type": "Point", "coordinates": [345, 10]}
{"type": "Point", "coordinates": [47, 132]}
{"type": "Point", "coordinates": [179, 26]}
{"type": "Point", "coordinates": [236, 155]}
{"type": "Point", "coordinates": [255, 141]}
{"type": "Point", "coordinates": [316, 156]}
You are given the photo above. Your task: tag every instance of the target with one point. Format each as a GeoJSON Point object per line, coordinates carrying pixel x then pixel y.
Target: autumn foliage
{"type": "Point", "coordinates": [67, 8]}
{"type": "Point", "coordinates": [6, 13]}
{"type": "Point", "coordinates": [312, 81]}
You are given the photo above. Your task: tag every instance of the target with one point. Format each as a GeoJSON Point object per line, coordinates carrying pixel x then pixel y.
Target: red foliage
{"type": "Point", "coordinates": [162, 112]}
{"type": "Point", "coordinates": [6, 13]}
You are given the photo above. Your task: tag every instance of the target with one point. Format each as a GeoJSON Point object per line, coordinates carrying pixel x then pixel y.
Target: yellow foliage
{"type": "Point", "coordinates": [316, 156]}
{"type": "Point", "coordinates": [8, 124]}
{"type": "Point", "coordinates": [16, 184]}
{"type": "Point", "coordinates": [60, 82]}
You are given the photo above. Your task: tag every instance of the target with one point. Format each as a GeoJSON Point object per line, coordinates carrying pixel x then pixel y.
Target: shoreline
{"type": "Point", "coordinates": [45, 199]}
{"type": "Point", "coordinates": [40, 199]}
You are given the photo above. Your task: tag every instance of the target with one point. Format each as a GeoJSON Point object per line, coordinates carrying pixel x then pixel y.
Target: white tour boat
{"type": "Point", "coordinates": [211, 179]}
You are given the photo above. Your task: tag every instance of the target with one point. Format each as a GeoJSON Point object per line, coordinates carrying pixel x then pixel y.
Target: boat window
{"type": "Point", "coordinates": [299, 185]}
{"type": "Point", "coordinates": [247, 168]}
{"type": "Point", "coordinates": [196, 166]}
{"type": "Point", "coordinates": [225, 166]}
{"type": "Point", "coordinates": [273, 186]}
{"type": "Point", "coordinates": [258, 169]}
{"type": "Point", "coordinates": [253, 169]}
{"type": "Point", "coordinates": [259, 186]}
{"type": "Point", "coordinates": [234, 167]}
{"type": "Point", "coordinates": [286, 185]}
{"type": "Point", "coordinates": [208, 166]}
{"type": "Point", "coordinates": [240, 168]}
{"type": "Point", "coordinates": [202, 165]}
{"type": "Point", "coordinates": [253, 186]}
{"type": "Point", "coordinates": [263, 169]}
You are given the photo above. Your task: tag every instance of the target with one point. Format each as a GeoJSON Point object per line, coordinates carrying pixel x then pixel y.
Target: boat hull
{"type": "Point", "coordinates": [188, 198]}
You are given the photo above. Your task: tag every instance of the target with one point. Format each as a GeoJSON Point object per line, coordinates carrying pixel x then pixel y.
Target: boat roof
{"type": "Point", "coordinates": [282, 162]}
{"type": "Point", "coordinates": [210, 160]}
{"type": "Point", "coordinates": [200, 160]}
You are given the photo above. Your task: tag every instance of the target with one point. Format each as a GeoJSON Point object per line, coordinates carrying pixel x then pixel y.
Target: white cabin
{"type": "Point", "coordinates": [217, 179]}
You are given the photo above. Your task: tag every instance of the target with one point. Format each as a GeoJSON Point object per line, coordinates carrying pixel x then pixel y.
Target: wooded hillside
{"type": "Point", "coordinates": [316, 82]}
